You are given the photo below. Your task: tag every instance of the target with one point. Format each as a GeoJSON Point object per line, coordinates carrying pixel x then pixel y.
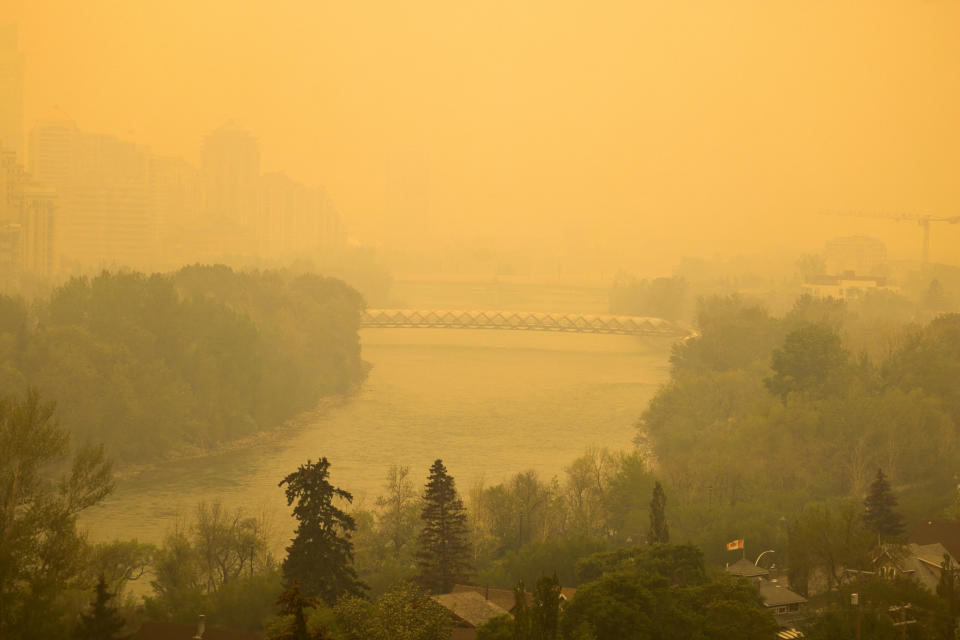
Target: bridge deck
{"type": "Point", "coordinates": [519, 321]}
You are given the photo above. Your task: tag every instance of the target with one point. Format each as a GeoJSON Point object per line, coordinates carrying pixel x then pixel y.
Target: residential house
{"type": "Point", "coordinates": [787, 607]}
{"type": "Point", "coordinates": [946, 533]}
{"type": "Point", "coordinates": [922, 562]}
{"type": "Point", "coordinates": [470, 610]}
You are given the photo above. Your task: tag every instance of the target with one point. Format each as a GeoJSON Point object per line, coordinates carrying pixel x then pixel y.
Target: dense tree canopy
{"type": "Point", "coordinates": [763, 415]}
{"type": "Point", "coordinates": [403, 613]}
{"type": "Point", "coordinates": [664, 592]}
{"type": "Point", "coordinates": [151, 363]}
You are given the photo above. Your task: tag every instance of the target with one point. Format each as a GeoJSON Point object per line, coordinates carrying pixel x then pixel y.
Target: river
{"type": "Point", "coordinates": [489, 403]}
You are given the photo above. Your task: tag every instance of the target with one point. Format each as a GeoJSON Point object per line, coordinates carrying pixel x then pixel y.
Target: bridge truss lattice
{"type": "Point", "coordinates": [519, 321]}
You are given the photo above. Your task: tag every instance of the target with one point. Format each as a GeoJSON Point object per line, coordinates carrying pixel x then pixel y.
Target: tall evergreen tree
{"type": "Point", "coordinates": [102, 622]}
{"type": "Point", "coordinates": [546, 608]}
{"type": "Point", "coordinates": [320, 556]}
{"type": "Point", "coordinates": [537, 618]}
{"type": "Point", "coordinates": [879, 516]}
{"type": "Point", "coordinates": [522, 614]}
{"type": "Point", "coordinates": [659, 531]}
{"type": "Point", "coordinates": [443, 554]}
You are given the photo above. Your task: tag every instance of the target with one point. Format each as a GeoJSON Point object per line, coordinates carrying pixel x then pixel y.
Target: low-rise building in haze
{"type": "Point", "coordinates": [855, 254]}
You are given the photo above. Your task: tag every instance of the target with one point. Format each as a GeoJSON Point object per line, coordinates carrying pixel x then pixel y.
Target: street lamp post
{"type": "Point", "coordinates": [757, 561]}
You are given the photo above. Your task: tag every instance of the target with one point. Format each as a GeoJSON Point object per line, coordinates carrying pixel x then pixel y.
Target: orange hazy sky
{"type": "Point", "coordinates": [644, 128]}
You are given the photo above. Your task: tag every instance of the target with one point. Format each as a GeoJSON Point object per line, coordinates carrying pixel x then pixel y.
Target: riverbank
{"type": "Point", "coordinates": [277, 433]}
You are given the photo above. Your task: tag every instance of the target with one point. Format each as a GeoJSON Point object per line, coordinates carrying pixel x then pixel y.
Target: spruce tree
{"type": "Point", "coordinates": [879, 516]}
{"type": "Point", "coordinates": [443, 554]}
{"type": "Point", "coordinates": [659, 531]}
{"type": "Point", "coordinates": [320, 556]}
{"type": "Point", "coordinates": [102, 622]}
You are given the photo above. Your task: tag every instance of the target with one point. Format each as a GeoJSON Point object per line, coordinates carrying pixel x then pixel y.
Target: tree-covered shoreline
{"type": "Point", "coordinates": [155, 364]}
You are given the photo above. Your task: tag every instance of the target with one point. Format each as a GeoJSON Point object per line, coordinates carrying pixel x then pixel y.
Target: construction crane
{"type": "Point", "coordinates": [922, 219]}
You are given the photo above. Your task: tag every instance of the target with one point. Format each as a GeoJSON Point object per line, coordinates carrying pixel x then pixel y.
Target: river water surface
{"type": "Point", "coordinates": [489, 403]}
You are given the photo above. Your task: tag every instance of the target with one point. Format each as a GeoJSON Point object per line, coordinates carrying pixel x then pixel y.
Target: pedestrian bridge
{"type": "Point", "coordinates": [520, 321]}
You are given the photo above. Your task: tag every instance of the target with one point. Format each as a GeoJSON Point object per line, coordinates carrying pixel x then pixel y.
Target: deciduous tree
{"type": "Point", "coordinates": [403, 613]}
{"type": "Point", "coordinates": [40, 548]}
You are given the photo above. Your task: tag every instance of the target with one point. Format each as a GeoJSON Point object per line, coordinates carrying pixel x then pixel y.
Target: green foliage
{"type": "Point", "coordinates": [948, 590]}
{"type": "Point", "coordinates": [293, 609]}
{"type": "Point", "coordinates": [149, 364]}
{"type": "Point", "coordinates": [659, 531]}
{"type": "Point", "coordinates": [102, 622]}
{"type": "Point", "coordinates": [403, 613]}
{"type": "Point", "coordinates": [837, 618]}
{"type": "Point", "coordinates": [727, 442]}
{"type": "Point", "coordinates": [385, 539]}
{"type": "Point", "coordinates": [879, 515]}
{"type": "Point", "coordinates": [218, 565]}
{"type": "Point", "coordinates": [827, 539]}
{"type": "Point", "coordinates": [545, 612]}
{"type": "Point", "coordinates": [929, 359]}
{"type": "Point", "coordinates": [41, 494]}
{"type": "Point", "coordinates": [676, 563]}
{"type": "Point", "coordinates": [559, 556]}
{"type": "Point", "coordinates": [119, 563]}
{"type": "Point", "coordinates": [734, 334]}
{"type": "Point", "coordinates": [499, 628]}
{"type": "Point", "coordinates": [811, 360]}
{"type": "Point", "coordinates": [444, 552]}
{"type": "Point", "coordinates": [320, 556]}
{"type": "Point", "coordinates": [644, 598]}
{"type": "Point", "coordinates": [660, 297]}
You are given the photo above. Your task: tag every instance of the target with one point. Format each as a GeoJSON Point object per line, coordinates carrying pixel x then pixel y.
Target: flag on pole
{"type": "Point", "coordinates": [736, 544]}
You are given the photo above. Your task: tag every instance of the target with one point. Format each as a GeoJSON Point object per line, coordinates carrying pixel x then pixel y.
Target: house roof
{"type": "Point", "coordinates": [175, 631]}
{"type": "Point", "coordinates": [503, 598]}
{"type": "Point", "coordinates": [776, 595]}
{"type": "Point", "coordinates": [746, 569]}
{"type": "Point", "coordinates": [470, 607]}
{"type": "Point", "coordinates": [567, 593]}
{"type": "Point", "coordinates": [921, 561]}
{"type": "Point", "coordinates": [946, 533]}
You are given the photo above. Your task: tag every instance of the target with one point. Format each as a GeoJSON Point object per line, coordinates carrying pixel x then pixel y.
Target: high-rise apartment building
{"type": "Point", "coordinates": [11, 91]}
{"type": "Point", "coordinates": [53, 151]}
{"type": "Point", "coordinates": [178, 197]}
{"type": "Point", "coordinates": [294, 219]}
{"type": "Point", "coordinates": [231, 174]}
{"type": "Point", "coordinates": [107, 213]}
